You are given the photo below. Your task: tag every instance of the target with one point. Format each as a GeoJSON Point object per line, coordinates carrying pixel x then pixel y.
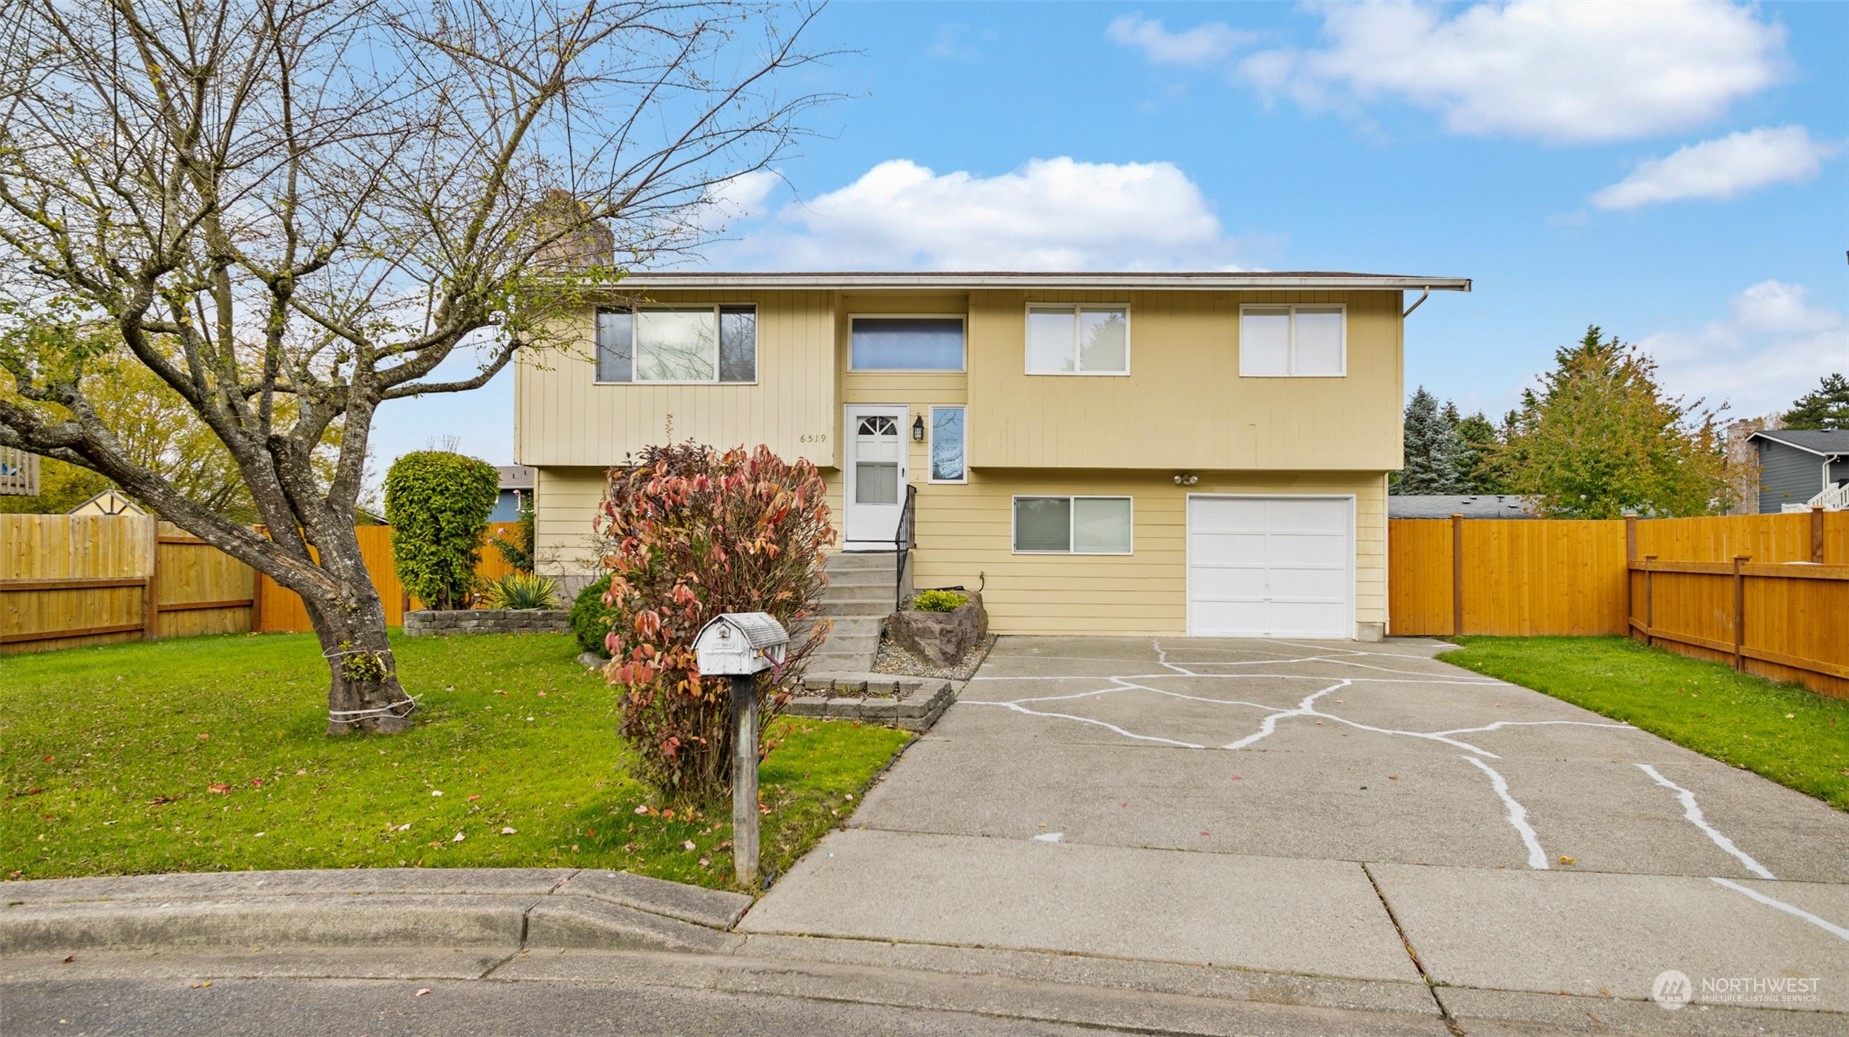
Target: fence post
{"type": "Point", "coordinates": [1739, 612]}
{"type": "Point", "coordinates": [1649, 601]}
{"type": "Point", "coordinates": [1816, 533]}
{"type": "Point", "coordinates": [150, 591]}
{"type": "Point", "coordinates": [256, 602]}
{"type": "Point", "coordinates": [1630, 555]}
{"type": "Point", "coordinates": [1457, 573]}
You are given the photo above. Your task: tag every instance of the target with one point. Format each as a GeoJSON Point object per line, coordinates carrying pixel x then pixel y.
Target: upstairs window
{"type": "Point", "coordinates": [1293, 341]}
{"type": "Point", "coordinates": [678, 344]}
{"type": "Point", "coordinates": [1078, 340]}
{"type": "Point", "coordinates": [905, 344]}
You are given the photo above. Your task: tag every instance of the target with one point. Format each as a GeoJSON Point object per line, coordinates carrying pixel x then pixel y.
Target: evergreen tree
{"type": "Point", "coordinates": [1479, 463]}
{"type": "Point", "coordinates": [1600, 439]}
{"type": "Point", "coordinates": [1825, 407]}
{"type": "Point", "coordinates": [1432, 448]}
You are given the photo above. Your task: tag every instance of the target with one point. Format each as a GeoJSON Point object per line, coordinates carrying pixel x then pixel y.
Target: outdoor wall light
{"type": "Point", "coordinates": [918, 429]}
{"type": "Point", "coordinates": [1186, 479]}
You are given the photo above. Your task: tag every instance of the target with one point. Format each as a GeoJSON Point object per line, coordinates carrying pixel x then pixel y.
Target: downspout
{"type": "Point", "coordinates": [1427, 294]}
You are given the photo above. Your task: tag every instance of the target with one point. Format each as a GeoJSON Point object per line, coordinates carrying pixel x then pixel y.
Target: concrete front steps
{"type": "Point", "coordinates": [859, 597]}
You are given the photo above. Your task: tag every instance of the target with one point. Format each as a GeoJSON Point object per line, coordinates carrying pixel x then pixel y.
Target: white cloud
{"type": "Point", "coordinates": [955, 41]}
{"type": "Point", "coordinates": [1200, 45]}
{"type": "Point", "coordinates": [1050, 214]}
{"type": "Point", "coordinates": [1723, 168]}
{"type": "Point", "coordinates": [1771, 348]}
{"type": "Point", "coordinates": [1537, 68]}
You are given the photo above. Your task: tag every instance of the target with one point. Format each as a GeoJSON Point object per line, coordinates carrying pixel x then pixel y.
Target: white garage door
{"type": "Point", "coordinates": [1271, 567]}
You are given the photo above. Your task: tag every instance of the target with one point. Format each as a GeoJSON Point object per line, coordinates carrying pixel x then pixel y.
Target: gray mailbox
{"type": "Point", "coordinates": [740, 644]}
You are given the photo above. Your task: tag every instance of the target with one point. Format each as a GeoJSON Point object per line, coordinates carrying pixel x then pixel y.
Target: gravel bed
{"type": "Point", "coordinates": [894, 659]}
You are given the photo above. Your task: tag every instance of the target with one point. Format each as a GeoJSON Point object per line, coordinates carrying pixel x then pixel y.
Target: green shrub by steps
{"type": "Point", "coordinates": [938, 601]}
{"type": "Point", "coordinates": [591, 618]}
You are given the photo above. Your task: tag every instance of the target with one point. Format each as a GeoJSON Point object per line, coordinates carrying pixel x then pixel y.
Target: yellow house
{"type": "Point", "coordinates": [1198, 454]}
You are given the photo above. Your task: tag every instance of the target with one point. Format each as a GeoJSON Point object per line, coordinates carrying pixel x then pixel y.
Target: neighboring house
{"type": "Point", "coordinates": [109, 502]}
{"type": "Point", "coordinates": [1202, 454]}
{"type": "Point", "coordinates": [1445, 505]}
{"type": "Point", "coordinates": [19, 473]}
{"type": "Point", "coordinates": [516, 484]}
{"type": "Point", "coordinates": [1796, 465]}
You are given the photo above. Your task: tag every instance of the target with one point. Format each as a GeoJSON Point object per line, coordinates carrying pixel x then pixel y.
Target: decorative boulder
{"type": "Point", "coordinates": [939, 638]}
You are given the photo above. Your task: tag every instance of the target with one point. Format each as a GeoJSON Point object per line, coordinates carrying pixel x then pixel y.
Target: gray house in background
{"type": "Point", "coordinates": [1796, 465]}
{"type": "Point", "coordinates": [516, 483]}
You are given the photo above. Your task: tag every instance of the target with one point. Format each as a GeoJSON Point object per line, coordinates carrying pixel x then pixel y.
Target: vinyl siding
{"type": "Point", "coordinates": [562, 417]}
{"type": "Point", "coordinates": [566, 500]}
{"type": "Point", "coordinates": [1791, 476]}
{"type": "Point", "coordinates": [966, 531]}
{"type": "Point", "coordinates": [1184, 404]}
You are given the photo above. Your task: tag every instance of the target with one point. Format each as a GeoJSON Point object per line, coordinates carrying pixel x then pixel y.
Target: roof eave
{"type": "Point", "coordinates": [1254, 281]}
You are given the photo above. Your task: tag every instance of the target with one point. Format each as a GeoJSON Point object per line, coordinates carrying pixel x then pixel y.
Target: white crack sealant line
{"type": "Point", "coordinates": [1270, 724]}
{"type": "Point", "coordinates": [1791, 909]}
{"type": "Point", "coordinates": [1083, 720]}
{"type": "Point", "coordinates": [1498, 725]}
{"type": "Point", "coordinates": [1692, 811]}
{"type": "Point", "coordinates": [1518, 815]}
{"type": "Point", "coordinates": [1428, 736]}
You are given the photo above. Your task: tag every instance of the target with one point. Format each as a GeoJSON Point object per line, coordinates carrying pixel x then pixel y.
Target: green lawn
{"type": "Point", "coordinates": [1782, 731]}
{"type": "Point", "coordinates": [208, 754]}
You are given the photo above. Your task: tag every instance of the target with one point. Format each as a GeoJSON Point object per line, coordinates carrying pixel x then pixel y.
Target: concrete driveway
{"type": "Point", "coordinates": [1365, 817]}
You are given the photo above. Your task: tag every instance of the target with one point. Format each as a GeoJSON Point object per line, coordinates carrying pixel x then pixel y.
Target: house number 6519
{"type": "Point", "coordinates": [822, 438]}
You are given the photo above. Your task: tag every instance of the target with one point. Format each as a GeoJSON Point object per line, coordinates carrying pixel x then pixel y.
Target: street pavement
{"type": "Point", "coordinates": [1125, 835]}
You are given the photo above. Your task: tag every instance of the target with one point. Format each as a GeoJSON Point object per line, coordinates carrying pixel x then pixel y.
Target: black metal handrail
{"type": "Point", "coordinates": [902, 545]}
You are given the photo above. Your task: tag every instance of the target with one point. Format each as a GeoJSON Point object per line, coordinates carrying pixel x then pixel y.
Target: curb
{"type": "Point", "coordinates": [407, 907]}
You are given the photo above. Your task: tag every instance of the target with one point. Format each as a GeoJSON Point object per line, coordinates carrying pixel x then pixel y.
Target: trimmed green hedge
{"type": "Point", "coordinates": [438, 505]}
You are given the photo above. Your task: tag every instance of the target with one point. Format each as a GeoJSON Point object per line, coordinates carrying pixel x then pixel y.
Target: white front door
{"type": "Point", "coordinates": [874, 486]}
{"type": "Point", "coordinates": [1271, 566]}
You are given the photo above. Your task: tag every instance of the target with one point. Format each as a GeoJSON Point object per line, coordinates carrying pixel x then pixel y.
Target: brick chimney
{"type": "Point", "coordinates": [583, 247]}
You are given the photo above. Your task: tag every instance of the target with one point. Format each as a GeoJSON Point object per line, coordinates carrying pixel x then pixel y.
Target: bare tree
{"type": "Point", "coordinates": [317, 202]}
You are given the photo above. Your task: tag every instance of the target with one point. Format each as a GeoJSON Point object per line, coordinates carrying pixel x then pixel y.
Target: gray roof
{"type": "Point", "coordinates": [1445, 505]}
{"type": "Point", "coordinates": [515, 476]}
{"type": "Point", "coordinates": [1826, 441]}
{"type": "Point", "coordinates": [951, 280]}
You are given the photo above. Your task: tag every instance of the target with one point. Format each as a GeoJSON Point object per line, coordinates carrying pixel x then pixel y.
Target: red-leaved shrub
{"type": "Point", "coordinates": [693, 533]}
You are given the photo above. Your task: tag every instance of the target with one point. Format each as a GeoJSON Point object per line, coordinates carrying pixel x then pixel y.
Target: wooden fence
{"type": "Point", "coordinates": [1767, 593]}
{"type": "Point", "coordinates": [72, 580]}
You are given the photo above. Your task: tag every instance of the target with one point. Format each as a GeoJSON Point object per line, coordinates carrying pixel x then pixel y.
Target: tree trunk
{"type": "Point", "coordinates": [363, 693]}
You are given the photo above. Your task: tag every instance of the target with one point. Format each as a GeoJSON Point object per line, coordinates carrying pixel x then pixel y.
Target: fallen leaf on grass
{"type": "Point", "coordinates": [458, 838]}
{"type": "Point", "coordinates": [436, 792]}
{"type": "Point", "coordinates": [509, 831]}
{"type": "Point", "coordinates": [256, 783]}
{"type": "Point", "coordinates": [688, 845]}
{"type": "Point", "coordinates": [704, 862]}
{"type": "Point", "coordinates": [221, 788]}
{"type": "Point", "coordinates": [643, 809]}
{"type": "Point", "coordinates": [160, 801]}
{"type": "Point", "coordinates": [474, 798]}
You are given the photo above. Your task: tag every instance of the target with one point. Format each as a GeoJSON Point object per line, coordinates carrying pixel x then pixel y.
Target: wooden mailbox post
{"type": "Point", "coordinates": [741, 645]}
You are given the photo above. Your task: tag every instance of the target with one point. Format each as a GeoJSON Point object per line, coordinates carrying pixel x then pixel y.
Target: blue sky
{"type": "Point", "coordinates": [1676, 173]}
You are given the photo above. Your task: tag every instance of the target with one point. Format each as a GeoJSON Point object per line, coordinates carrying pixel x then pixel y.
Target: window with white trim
{"type": "Point", "coordinates": [1078, 339]}
{"type": "Point", "coordinates": [678, 344]}
{"type": "Point", "coordinates": [1293, 341]}
{"type": "Point", "coordinates": [947, 445]}
{"type": "Point", "coordinates": [1072, 525]}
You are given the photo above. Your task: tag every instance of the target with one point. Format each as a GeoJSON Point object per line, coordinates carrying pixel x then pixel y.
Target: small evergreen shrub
{"type": "Point", "coordinates": [523, 591]}
{"type": "Point", "coordinates": [694, 533]}
{"type": "Point", "coordinates": [437, 504]}
{"type": "Point", "coordinates": [591, 619]}
{"type": "Point", "coordinates": [938, 601]}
